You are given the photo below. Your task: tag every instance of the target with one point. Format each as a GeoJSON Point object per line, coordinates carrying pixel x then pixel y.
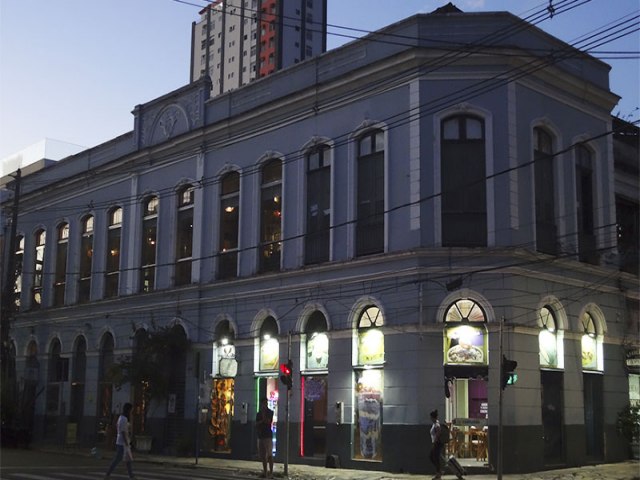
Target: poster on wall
{"type": "Point", "coordinates": [465, 344]}
{"type": "Point", "coordinates": [368, 415]}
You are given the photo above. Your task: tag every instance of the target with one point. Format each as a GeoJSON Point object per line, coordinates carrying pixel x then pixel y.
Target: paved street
{"type": "Point", "coordinates": [80, 464]}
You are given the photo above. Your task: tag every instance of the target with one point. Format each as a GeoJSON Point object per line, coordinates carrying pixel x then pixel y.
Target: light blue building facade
{"type": "Point", "coordinates": [378, 214]}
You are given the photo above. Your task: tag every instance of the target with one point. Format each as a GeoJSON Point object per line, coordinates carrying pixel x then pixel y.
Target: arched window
{"type": "Point", "coordinates": [465, 334]}
{"type": "Point", "coordinates": [78, 374]}
{"type": "Point", "coordinates": [86, 259]}
{"type": "Point", "coordinates": [463, 182]}
{"type": "Point", "coordinates": [269, 345]}
{"type": "Point", "coordinates": [105, 387]}
{"type": "Point", "coordinates": [38, 269]}
{"type": "Point", "coordinates": [313, 386]}
{"type": "Point", "coordinates": [550, 339]}
{"type": "Point", "coordinates": [149, 243]}
{"type": "Point", "coordinates": [223, 387]}
{"type": "Point", "coordinates": [18, 259]}
{"type": "Point", "coordinates": [318, 232]}
{"type": "Point", "coordinates": [114, 238]}
{"type": "Point", "coordinates": [58, 372]}
{"type": "Point", "coordinates": [546, 241]}
{"type": "Point", "coordinates": [271, 216]}
{"type": "Point", "coordinates": [585, 205]}
{"type": "Point", "coordinates": [369, 385]}
{"type": "Point", "coordinates": [60, 279]}
{"type": "Point", "coordinates": [590, 350]}
{"type": "Point", "coordinates": [184, 235]}
{"type": "Point", "coordinates": [229, 225]}
{"type": "Point", "coordinates": [370, 194]}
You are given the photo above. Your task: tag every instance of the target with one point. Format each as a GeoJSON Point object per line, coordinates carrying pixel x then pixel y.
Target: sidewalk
{"type": "Point", "coordinates": [245, 469]}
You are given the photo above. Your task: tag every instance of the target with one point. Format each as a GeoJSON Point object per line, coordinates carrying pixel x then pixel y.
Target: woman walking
{"type": "Point", "coordinates": [123, 442]}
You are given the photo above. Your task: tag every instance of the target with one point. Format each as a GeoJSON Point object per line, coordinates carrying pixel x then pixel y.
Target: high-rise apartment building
{"type": "Point", "coordinates": [249, 39]}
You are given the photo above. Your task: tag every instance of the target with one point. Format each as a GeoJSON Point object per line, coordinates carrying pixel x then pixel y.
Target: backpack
{"type": "Point", "coordinates": [445, 434]}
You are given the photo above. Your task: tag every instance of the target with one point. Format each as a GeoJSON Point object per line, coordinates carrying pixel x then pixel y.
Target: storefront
{"type": "Point", "coordinates": [368, 385]}
{"type": "Point", "coordinates": [466, 370]}
{"type": "Point", "coordinates": [222, 400]}
{"type": "Point", "coordinates": [266, 371]}
{"type": "Point", "coordinates": [314, 360]}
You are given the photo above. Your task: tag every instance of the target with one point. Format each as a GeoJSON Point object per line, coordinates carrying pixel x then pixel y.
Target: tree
{"type": "Point", "coordinates": [147, 369]}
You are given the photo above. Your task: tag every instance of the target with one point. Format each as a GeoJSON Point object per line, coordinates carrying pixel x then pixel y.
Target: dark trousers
{"type": "Point", "coordinates": [435, 455]}
{"type": "Point", "coordinates": [117, 459]}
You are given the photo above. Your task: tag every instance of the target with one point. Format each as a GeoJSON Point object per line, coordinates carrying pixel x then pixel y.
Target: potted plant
{"type": "Point", "coordinates": [146, 370]}
{"type": "Point", "coordinates": [628, 424]}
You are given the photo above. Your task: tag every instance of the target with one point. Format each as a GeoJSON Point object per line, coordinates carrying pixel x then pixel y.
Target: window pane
{"type": "Point", "coordinates": [116, 217]}
{"type": "Point", "coordinates": [474, 129]}
{"type": "Point", "coordinates": [272, 172]}
{"type": "Point", "coordinates": [151, 206]}
{"type": "Point", "coordinates": [365, 146]}
{"type": "Point", "coordinates": [231, 183]}
{"type": "Point", "coordinates": [451, 129]}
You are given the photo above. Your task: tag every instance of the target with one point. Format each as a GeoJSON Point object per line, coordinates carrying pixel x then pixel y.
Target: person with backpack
{"type": "Point", "coordinates": [437, 444]}
{"type": "Point", "coordinates": [123, 443]}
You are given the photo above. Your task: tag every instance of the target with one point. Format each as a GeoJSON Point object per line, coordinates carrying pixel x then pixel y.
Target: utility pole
{"type": "Point", "coordinates": [500, 405]}
{"type": "Point", "coordinates": [9, 280]}
{"type": "Point", "coordinates": [286, 448]}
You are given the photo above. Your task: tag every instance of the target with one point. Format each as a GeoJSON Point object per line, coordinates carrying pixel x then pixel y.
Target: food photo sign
{"type": "Point", "coordinates": [465, 345]}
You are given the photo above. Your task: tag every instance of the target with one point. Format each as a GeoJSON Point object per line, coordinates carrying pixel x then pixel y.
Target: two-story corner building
{"type": "Point", "coordinates": [394, 216]}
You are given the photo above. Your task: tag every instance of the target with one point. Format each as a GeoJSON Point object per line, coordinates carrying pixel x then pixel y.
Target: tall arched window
{"type": "Point", "coordinates": [370, 194]}
{"type": "Point", "coordinates": [149, 243]}
{"type": "Point", "coordinates": [105, 387]}
{"type": "Point", "coordinates": [546, 240]}
{"type": "Point", "coordinates": [318, 205]}
{"type": "Point", "coordinates": [463, 182]}
{"type": "Point", "coordinates": [229, 225]}
{"type": "Point", "coordinates": [114, 239]}
{"type": "Point", "coordinates": [58, 372]}
{"type": "Point", "coordinates": [184, 235]}
{"type": "Point", "coordinates": [551, 385]}
{"type": "Point", "coordinates": [38, 269]}
{"type": "Point", "coordinates": [86, 259]}
{"type": "Point", "coordinates": [223, 388]}
{"type": "Point", "coordinates": [19, 258]}
{"type": "Point", "coordinates": [593, 384]}
{"type": "Point", "coordinates": [60, 279]}
{"type": "Point", "coordinates": [465, 334]}
{"type": "Point", "coordinates": [369, 385]}
{"type": "Point", "coordinates": [271, 216]}
{"type": "Point", "coordinates": [78, 375]}
{"type": "Point", "coordinates": [314, 386]}
{"type": "Point", "coordinates": [585, 205]}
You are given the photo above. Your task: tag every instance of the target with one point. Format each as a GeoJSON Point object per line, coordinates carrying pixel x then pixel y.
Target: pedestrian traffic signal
{"type": "Point", "coordinates": [286, 370]}
{"type": "Point", "coordinates": [509, 375]}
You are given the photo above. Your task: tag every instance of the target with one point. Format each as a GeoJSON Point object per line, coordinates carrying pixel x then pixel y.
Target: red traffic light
{"type": "Point", "coordinates": [285, 369]}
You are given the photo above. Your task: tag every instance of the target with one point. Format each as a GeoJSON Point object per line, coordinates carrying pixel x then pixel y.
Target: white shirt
{"type": "Point", "coordinates": [123, 428]}
{"type": "Point", "coordinates": [435, 431]}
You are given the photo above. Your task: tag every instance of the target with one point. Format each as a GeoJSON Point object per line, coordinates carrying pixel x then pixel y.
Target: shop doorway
{"type": "Point", "coordinates": [218, 438]}
{"type": "Point", "coordinates": [552, 416]}
{"type": "Point", "coordinates": [593, 417]}
{"type": "Point", "coordinates": [467, 413]}
{"type": "Point", "coordinates": [267, 387]}
{"type": "Point", "coordinates": [314, 417]}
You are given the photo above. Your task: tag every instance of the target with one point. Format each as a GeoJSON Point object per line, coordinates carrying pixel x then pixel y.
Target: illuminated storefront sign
{"type": "Point", "coordinates": [318, 351]}
{"type": "Point", "coordinates": [465, 345]}
{"type": "Point", "coordinates": [269, 353]}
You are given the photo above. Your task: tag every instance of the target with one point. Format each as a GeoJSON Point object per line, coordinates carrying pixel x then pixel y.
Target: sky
{"type": "Point", "coordinates": [73, 70]}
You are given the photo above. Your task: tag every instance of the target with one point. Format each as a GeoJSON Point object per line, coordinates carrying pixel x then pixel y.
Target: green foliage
{"type": "Point", "coordinates": [628, 423]}
{"type": "Point", "coordinates": [152, 360]}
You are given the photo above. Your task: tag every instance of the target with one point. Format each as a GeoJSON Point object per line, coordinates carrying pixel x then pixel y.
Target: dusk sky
{"type": "Point", "coordinates": [73, 70]}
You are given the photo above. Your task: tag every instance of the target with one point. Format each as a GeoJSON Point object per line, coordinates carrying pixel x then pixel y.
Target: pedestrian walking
{"type": "Point", "coordinates": [264, 419]}
{"type": "Point", "coordinates": [123, 442]}
{"type": "Point", "coordinates": [436, 445]}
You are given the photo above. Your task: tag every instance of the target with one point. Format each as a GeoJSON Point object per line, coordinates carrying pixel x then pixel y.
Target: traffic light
{"type": "Point", "coordinates": [509, 375]}
{"type": "Point", "coordinates": [286, 369]}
